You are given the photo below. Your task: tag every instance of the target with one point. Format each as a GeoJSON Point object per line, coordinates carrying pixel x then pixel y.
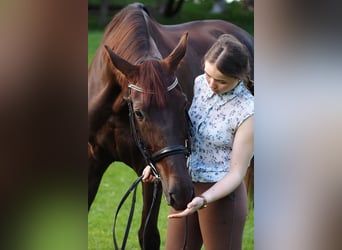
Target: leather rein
{"type": "Point", "coordinates": [150, 159]}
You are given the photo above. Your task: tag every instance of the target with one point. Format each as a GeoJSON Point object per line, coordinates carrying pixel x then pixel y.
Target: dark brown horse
{"type": "Point", "coordinates": [151, 67]}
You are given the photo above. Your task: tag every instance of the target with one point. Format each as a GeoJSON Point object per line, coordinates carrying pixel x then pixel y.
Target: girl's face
{"type": "Point", "coordinates": [218, 82]}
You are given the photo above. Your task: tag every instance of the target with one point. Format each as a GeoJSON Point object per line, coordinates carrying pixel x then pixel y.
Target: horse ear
{"type": "Point", "coordinates": [178, 53]}
{"type": "Point", "coordinates": [126, 68]}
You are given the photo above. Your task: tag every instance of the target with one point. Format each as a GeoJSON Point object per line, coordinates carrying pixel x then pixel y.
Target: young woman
{"type": "Point", "coordinates": [222, 114]}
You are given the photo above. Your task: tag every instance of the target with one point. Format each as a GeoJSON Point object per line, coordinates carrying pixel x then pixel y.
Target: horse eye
{"type": "Point", "coordinates": [139, 115]}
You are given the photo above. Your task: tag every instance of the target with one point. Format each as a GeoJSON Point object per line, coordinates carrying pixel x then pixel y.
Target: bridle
{"type": "Point", "coordinates": [153, 158]}
{"type": "Point", "coordinates": [150, 159]}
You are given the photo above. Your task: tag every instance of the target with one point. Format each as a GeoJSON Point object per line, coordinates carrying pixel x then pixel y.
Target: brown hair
{"type": "Point", "coordinates": [231, 58]}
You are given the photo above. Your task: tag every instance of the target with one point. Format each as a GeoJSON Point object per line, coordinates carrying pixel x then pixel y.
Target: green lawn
{"type": "Point", "coordinates": [94, 39]}
{"type": "Point", "coordinates": [114, 184]}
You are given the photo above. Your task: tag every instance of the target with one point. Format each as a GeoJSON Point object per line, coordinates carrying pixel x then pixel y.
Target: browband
{"type": "Point", "coordinates": [135, 87]}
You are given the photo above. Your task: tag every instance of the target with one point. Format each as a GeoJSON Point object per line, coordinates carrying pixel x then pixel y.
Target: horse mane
{"type": "Point", "coordinates": [129, 37]}
{"type": "Point", "coordinates": [151, 80]}
{"type": "Point", "coordinates": [128, 32]}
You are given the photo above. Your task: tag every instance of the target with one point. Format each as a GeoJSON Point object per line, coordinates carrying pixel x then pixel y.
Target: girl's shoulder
{"type": "Point", "coordinates": [246, 94]}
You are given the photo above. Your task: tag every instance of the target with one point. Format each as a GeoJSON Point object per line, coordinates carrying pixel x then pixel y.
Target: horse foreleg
{"type": "Point", "coordinates": [95, 172]}
{"type": "Point", "coordinates": [149, 237]}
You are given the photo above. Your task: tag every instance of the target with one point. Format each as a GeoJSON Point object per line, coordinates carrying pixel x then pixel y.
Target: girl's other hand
{"type": "Point", "coordinates": [148, 176]}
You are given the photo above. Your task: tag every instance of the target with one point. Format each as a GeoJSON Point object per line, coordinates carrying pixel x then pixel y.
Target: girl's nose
{"type": "Point", "coordinates": [212, 84]}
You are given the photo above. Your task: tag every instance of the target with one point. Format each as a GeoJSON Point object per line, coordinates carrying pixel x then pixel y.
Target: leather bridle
{"type": "Point", "coordinates": [150, 159]}
{"type": "Point", "coordinates": [153, 158]}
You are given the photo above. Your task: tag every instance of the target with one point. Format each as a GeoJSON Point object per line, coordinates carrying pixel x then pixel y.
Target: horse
{"type": "Point", "coordinates": [140, 85]}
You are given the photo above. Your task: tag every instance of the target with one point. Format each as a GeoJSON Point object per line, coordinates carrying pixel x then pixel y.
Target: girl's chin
{"type": "Point", "coordinates": [215, 91]}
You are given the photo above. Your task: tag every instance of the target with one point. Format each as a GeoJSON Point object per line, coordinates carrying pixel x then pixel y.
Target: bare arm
{"type": "Point", "coordinates": [242, 153]}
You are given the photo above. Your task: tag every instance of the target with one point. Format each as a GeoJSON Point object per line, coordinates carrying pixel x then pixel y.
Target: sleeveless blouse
{"type": "Point", "coordinates": [215, 119]}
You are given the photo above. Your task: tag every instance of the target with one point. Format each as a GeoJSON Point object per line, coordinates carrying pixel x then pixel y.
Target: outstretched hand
{"type": "Point", "coordinates": [192, 207]}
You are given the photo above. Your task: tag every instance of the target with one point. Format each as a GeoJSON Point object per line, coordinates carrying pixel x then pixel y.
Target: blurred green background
{"type": "Point", "coordinates": [119, 177]}
{"type": "Point", "coordinates": [236, 12]}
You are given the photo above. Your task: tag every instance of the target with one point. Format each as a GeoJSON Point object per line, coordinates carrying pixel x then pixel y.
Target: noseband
{"type": "Point", "coordinates": [153, 158]}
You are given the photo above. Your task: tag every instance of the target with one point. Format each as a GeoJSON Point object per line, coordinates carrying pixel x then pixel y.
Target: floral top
{"type": "Point", "coordinates": [215, 119]}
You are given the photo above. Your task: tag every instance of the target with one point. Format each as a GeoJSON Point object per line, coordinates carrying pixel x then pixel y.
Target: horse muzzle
{"type": "Point", "coordinates": [177, 185]}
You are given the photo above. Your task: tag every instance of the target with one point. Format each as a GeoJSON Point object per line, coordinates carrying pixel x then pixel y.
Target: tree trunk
{"type": "Point", "coordinates": [104, 7]}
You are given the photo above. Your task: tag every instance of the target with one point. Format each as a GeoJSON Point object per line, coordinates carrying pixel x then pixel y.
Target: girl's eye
{"type": "Point", "coordinates": [139, 115]}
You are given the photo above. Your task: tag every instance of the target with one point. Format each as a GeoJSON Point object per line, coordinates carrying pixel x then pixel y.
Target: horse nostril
{"type": "Point", "coordinates": [171, 200]}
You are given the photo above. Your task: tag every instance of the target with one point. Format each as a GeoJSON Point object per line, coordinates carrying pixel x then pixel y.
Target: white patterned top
{"type": "Point", "coordinates": [215, 119]}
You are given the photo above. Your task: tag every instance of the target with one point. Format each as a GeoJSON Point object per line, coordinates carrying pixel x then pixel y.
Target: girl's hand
{"type": "Point", "coordinates": [148, 176]}
{"type": "Point", "coordinates": [192, 207]}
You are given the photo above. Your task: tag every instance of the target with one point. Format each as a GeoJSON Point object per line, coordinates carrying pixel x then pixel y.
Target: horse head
{"type": "Point", "coordinates": [158, 117]}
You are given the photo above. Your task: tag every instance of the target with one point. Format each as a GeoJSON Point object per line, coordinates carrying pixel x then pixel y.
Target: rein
{"type": "Point", "coordinates": [130, 189]}
{"type": "Point", "coordinates": [151, 160]}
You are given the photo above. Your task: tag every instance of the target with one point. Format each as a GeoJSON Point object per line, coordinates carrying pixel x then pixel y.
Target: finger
{"type": "Point", "coordinates": [146, 173]}
{"type": "Point", "coordinates": [181, 214]}
{"type": "Point", "coordinates": [177, 216]}
{"type": "Point", "coordinates": [151, 178]}
{"type": "Point", "coordinates": [147, 179]}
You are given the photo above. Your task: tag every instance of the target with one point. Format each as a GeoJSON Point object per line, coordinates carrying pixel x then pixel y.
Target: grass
{"type": "Point", "coordinates": [94, 39]}
{"type": "Point", "coordinates": [119, 177]}
{"type": "Point", "coordinates": [114, 184]}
